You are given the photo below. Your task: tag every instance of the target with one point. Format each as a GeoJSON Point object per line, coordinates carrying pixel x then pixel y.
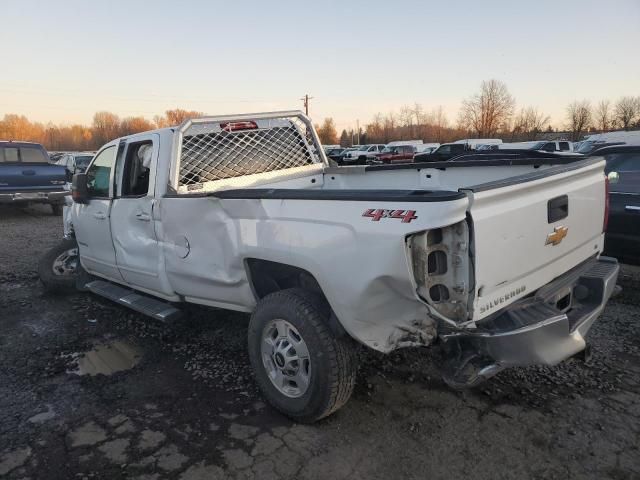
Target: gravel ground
{"type": "Point", "coordinates": [189, 408]}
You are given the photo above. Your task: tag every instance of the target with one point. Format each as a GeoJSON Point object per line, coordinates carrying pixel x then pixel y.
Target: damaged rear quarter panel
{"type": "Point", "coordinates": [361, 265]}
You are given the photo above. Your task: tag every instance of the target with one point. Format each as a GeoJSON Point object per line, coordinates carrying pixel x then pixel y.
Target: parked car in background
{"type": "Point", "coordinates": [474, 143]}
{"type": "Point", "coordinates": [394, 154]}
{"type": "Point", "coordinates": [360, 154]}
{"type": "Point", "coordinates": [340, 157]}
{"type": "Point", "coordinates": [426, 147]}
{"type": "Point", "coordinates": [55, 156]}
{"type": "Point", "coordinates": [335, 154]}
{"type": "Point", "coordinates": [588, 146]}
{"type": "Point", "coordinates": [622, 237]}
{"type": "Point", "coordinates": [444, 152]}
{"type": "Point", "coordinates": [27, 176]}
{"type": "Point", "coordinates": [75, 162]}
{"type": "Point", "coordinates": [330, 147]}
{"type": "Point", "coordinates": [629, 137]}
{"type": "Point", "coordinates": [488, 146]}
{"type": "Point", "coordinates": [415, 143]}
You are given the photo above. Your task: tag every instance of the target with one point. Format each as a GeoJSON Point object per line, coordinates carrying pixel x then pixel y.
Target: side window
{"type": "Point", "coordinates": [32, 155]}
{"type": "Point", "coordinates": [10, 154]}
{"type": "Point", "coordinates": [564, 146]}
{"type": "Point", "coordinates": [445, 149]}
{"type": "Point", "coordinates": [99, 173]}
{"type": "Point", "coordinates": [137, 167]}
{"type": "Point", "coordinates": [549, 147]}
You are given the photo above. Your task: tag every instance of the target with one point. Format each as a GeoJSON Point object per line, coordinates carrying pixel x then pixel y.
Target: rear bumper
{"type": "Point", "coordinates": [34, 197]}
{"type": "Point", "coordinates": [535, 331]}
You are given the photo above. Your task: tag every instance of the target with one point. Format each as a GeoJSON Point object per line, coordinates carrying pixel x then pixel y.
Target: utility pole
{"type": "Point", "coordinates": [305, 101]}
{"type": "Point", "coordinates": [358, 127]}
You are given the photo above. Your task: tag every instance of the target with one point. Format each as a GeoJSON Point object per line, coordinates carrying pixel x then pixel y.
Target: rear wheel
{"type": "Point", "coordinates": [59, 267]}
{"type": "Point", "coordinates": [302, 368]}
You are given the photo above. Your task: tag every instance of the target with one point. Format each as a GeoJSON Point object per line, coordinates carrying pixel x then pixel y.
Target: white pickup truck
{"type": "Point", "coordinates": [497, 259]}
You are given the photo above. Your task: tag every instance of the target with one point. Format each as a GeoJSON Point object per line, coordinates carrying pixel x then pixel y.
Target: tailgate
{"type": "Point", "coordinates": [530, 229]}
{"type": "Point", "coordinates": [24, 177]}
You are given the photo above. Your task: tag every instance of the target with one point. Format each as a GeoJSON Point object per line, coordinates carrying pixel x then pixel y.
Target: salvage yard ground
{"type": "Point", "coordinates": [91, 390]}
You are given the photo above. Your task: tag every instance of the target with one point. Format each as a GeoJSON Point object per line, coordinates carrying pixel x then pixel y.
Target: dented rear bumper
{"type": "Point", "coordinates": [544, 329]}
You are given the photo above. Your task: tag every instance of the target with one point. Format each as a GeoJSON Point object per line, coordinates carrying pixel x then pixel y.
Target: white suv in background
{"type": "Point", "coordinates": [359, 157]}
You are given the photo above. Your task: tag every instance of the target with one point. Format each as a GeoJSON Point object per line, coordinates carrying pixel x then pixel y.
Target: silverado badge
{"type": "Point", "coordinates": [557, 236]}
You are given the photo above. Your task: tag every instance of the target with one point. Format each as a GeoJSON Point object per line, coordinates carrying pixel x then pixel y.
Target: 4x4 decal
{"type": "Point", "coordinates": [378, 213]}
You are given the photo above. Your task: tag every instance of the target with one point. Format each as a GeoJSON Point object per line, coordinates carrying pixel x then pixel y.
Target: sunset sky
{"type": "Point", "coordinates": [64, 60]}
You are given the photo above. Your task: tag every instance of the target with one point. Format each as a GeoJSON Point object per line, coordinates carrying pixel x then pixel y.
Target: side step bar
{"type": "Point", "coordinates": [152, 307]}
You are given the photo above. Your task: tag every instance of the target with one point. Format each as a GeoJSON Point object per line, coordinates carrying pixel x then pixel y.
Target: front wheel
{"type": "Point", "coordinates": [60, 267]}
{"type": "Point", "coordinates": [303, 369]}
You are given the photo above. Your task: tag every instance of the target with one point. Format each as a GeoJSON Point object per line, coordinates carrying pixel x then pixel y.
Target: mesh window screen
{"type": "Point", "coordinates": [211, 153]}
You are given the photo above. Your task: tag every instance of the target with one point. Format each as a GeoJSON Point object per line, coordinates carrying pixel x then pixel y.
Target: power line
{"type": "Point", "coordinates": [305, 101]}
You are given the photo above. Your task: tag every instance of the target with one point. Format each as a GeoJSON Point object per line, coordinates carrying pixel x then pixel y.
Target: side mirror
{"type": "Point", "coordinates": [614, 177]}
{"type": "Point", "coordinates": [79, 189]}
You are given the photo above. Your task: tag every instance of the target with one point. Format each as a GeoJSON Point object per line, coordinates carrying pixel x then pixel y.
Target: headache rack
{"type": "Point", "coordinates": [226, 151]}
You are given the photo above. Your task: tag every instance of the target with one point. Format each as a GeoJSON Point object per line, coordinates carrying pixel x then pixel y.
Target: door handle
{"type": "Point", "coordinates": [143, 217]}
{"type": "Point", "coordinates": [632, 208]}
{"type": "Point", "coordinates": [28, 172]}
{"type": "Point", "coordinates": [99, 215]}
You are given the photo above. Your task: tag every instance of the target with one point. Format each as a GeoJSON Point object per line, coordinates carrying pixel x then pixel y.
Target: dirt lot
{"type": "Point", "coordinates": [184, 404]}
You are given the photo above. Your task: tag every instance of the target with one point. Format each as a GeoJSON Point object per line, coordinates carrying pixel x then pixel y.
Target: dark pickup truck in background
{"type": "Point", "coordinates": [622, 237]}
{"type": "Point", "coordinates": [26, 176]}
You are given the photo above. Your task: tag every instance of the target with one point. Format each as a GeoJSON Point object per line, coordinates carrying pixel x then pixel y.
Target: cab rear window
{"type": "Point", "coordinates": [8, 154]}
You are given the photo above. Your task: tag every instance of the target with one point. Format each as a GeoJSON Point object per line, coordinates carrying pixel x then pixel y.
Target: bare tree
{"type": "Point", "coordinates": [175, 117]}
{"type": "Point", "coordinates": [406, 119]}
{"type": "Point", "coordinates": [106, 127]}
{"type": "Point", "coordinates": [626, 111]}
{"type": "Point", "coordinates": [528, 123]}
{"type": "Point", "coordinates": [602, 115]}
{"type": "Point", "coordinates": [486, 111]}
{"type": "Point", "coordinates": [418, 112]}
{"type": "Point", "coordinates": [579, 117]}
{"type": "Point", "coordinates": [440, 122]}
{"type": "Point", "coordinates": [131, 125]}
{"type": "Point", "coordinates": [327, 132]}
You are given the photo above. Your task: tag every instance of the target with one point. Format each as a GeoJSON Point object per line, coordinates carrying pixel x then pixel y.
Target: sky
{"type": "Point", "coordinates": [64, 60]}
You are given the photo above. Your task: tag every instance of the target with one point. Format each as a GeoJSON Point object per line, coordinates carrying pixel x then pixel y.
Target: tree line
{"type": "Point", "coordinates": [490, 113]}
{"type": "Point", "coordinates": [105, 127]}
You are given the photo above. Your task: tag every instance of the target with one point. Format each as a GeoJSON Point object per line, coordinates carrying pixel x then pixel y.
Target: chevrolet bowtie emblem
{"type": "Point", "coordinates": [557, 236]}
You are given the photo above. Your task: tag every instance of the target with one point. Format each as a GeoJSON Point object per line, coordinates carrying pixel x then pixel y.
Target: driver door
{"type": "Point", "coordinates": [92, 219]}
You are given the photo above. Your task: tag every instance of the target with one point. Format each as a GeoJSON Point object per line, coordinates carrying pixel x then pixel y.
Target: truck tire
{"type": "Point", "coordinates": [56, 209]}
{"type": "Point", "coordinates": [60, 266]}
{"type": "Point", "coordinates": [303, 369]}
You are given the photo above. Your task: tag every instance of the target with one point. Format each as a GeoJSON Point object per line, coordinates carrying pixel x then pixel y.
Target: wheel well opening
{"type": "Point", "coordinates": [269, 277]}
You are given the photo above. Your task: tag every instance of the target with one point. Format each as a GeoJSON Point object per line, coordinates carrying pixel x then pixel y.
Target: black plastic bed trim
{"type": "Point", "coordinates": [348, 195]}
{"type": "Point", "coordinates": [481, 161]}
{"type": "Point", "coordinates": [528, 177]}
